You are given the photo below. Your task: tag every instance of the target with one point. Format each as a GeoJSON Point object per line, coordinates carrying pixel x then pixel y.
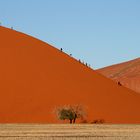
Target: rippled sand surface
{"type": "Point", "coordinates": [69, 132]}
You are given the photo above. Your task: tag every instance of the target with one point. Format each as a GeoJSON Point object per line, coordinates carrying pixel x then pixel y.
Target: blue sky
{"type": "Point", "coordinates": [100, 32]}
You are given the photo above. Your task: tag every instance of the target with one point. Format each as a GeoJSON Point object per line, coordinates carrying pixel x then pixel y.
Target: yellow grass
{"type": "Point", "coordinates": [69, 132]}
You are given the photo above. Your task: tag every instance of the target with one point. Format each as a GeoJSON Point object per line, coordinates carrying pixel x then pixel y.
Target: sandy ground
{"type": "Point", "coordinates": [69, 132]}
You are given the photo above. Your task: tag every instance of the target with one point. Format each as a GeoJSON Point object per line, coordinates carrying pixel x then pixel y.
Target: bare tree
{"type": "Point", "coordinates": [70, 112]}
{"type": "Point", "coordinates": [78, 111]}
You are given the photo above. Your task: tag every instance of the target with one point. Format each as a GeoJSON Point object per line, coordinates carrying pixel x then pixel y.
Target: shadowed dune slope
{"type": "Point", "coordinates": [128, 73]}
{"type": "Point", "coordinates": [36, 77]}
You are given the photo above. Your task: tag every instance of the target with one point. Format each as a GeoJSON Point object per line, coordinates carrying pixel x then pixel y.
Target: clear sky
{"type": "Point", "coordinates": [100, 32]}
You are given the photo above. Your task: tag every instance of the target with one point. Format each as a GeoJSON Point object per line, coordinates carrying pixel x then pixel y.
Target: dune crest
{"type": "Point", "coordinates": [128, 73]}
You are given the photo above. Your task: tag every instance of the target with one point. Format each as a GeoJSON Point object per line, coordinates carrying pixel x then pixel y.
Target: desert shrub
{"type": "Point", "coordinates": [98, 121]}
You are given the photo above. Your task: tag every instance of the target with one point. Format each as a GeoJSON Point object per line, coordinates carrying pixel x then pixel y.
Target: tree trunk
{"type": "Point", "coordinates": [74, 120]}
{"type": "Point", "coordinates": [70, 121]}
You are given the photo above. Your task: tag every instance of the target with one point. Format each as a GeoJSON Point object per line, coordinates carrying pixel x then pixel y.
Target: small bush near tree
{"type": "Point", "coordinates": [98, 121]}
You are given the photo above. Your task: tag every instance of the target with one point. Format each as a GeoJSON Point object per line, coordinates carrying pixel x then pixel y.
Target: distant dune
{"type": "Point", "coordinates": [128, 73]}
{"type": "Point", "coordinates": [35, 77]}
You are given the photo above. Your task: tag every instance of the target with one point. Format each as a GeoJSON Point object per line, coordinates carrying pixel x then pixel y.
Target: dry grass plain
{"type": "Point", "coordinates": [69, 132]}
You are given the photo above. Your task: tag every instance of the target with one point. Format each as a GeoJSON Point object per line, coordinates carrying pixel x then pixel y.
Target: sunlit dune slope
{"type": "Point", "coordinates": [128, 73]}
{"type": "Point", "coordinates": [36, 77]}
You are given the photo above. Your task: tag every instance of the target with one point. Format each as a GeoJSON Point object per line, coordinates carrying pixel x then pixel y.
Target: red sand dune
{"type": "Point", "coordinates": [36, 77]}
{"type": "Point", "coordinates": [128, 73]}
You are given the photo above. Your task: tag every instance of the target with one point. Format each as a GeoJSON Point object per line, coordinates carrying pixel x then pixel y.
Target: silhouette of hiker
{"type": "Point", "coordinates": [12, 28]}
{"type": "Point", "coordinates": [61, 49]}
{"type": "Point", "coordinates": [119, 83]}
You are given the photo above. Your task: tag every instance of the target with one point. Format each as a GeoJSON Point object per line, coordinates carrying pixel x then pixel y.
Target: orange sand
{"type": "Point", "coordinates": [36, 77]}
